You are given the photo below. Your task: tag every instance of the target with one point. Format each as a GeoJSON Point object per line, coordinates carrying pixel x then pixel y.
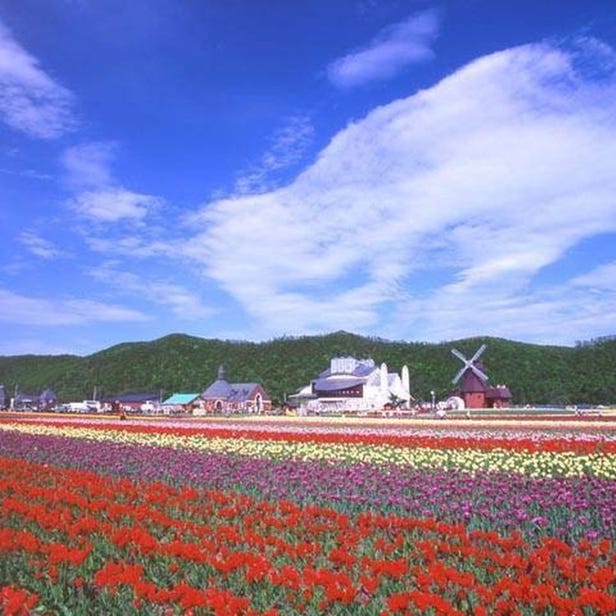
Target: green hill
{"type": "Point", "coordinates": [535, 373]}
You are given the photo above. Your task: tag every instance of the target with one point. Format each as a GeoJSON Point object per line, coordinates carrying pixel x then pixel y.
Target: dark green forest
{"type": "Point", "coordinates": [536, 374]}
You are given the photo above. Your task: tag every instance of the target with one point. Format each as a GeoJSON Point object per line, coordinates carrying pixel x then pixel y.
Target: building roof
{"type": "Point", "coordinates": [232, 392]}
{"type": "Point", "coordinates": [48, 395]}
{"type": "Point", "coordinates": [472, 382]}
{"type": "Point", "coordinates": [499, 392]}
{"type": "Point", "coordinates": [133, 397]}
{"type": "Point", "coordinates": [363, 368]}
{"type": "Point", "coordinates": [181, 399]}
{"type": "Point", "coordinates": [218, 389]}
{"type": "Point", "coordinates": [241, 391]}
{"type": "Point", "coordinates": [338, 383]}
{"type": "Point", "coordinates": [221, 389]}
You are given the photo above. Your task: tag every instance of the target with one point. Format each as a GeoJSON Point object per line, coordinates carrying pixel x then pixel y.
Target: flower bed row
{"type": "Point", "coordinates": [594, 459]}
{"type": "Point", "coordinates": [356, 433]}
{"type": "Point", "coordinates": [565, 507]}
{"type": "Point", "coordinates": [86, 543]}
{"type": "Point", "coordinates": [108, 517]}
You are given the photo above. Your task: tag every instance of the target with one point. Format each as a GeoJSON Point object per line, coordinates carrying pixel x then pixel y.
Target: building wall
{"type": "Point", "coordinates": [349, 392]}
{"type": "Point", "coordinates": [475, 400]}
{"type": "Point", "coordinates": [497, 403]}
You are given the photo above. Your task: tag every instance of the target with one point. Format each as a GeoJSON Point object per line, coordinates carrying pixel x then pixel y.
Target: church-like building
{"type": "Point", "coordinates": [224, 397]}
{"type": "Point", "coordinates": [351, 384]}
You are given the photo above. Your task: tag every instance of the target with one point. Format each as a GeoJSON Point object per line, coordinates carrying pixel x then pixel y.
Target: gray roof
{"type": "Point", "coordinates": [233, 392]}
{"type": "Point", "coordinates": [48, 395]}
{"type": "Point", "coordinates": [218, 389]}
{"type": "Point", "coordinates": [133, 397]}
{"type": "Point", "coordinates": [500, 391]}
{"type": "Point", "coordinates": [22, 397]}
{"type": "Point", "coordinates": [241, 391]}
{"type": "Point", "coordinates": [336, 384]}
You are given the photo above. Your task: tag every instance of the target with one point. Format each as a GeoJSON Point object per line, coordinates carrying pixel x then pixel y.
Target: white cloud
{"type": "Point", "coordinates": [19, 309]}
{"type": "Point", "coordinates": [141, 245]}
{"type": "Point", "coordinates": [89, 164]}
{"type": "Point", "coordinates": [480, 174]}
{"type": "Point", "coordinates": [114, 204]}
{"type": "Point", "coordinates": [393, 48]}
{"type": "Point", "coordinates": [39, 246]}
{"type": "Point", "coordinates": [183, 302]}
{"type": "Point", "coordinates": [30, 100]}
{"type": "Point", "coordinates": [600, 278]}
{"type": "Point", "coordinates": [98, 195]}
{"type": "Point", "coordinates": [287, 147]}
{"type": "Point", "coordinates": [557, 315]}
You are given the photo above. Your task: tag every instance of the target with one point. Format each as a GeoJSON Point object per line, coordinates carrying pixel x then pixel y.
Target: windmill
{"type": "Point", "coordinates": [475, 389]}
{"type": "Point", "coordinates": [470, 364]}
{"type": "Point", "coordinates": [474, 380]}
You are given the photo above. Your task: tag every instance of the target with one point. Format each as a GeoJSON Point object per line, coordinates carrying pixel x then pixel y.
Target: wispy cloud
{"type": "Point", "coordinates": [286, 148]}
{"type": "Point", "coordinates": [88, 165]}
{"type": "Point", "coordinates": [98, 195]}
{"type": "Point", "coordinates": [600, 278]}
{"type": "Point", "coordinates": [112, 205]}
{"type": "Point", "coordinates": [40, 246]}
{"type": "Point", "coordinates": [30, 100]}
{"type": "Point", "coordinates": [393, 48]}
{"type": "Point", "coordinates": [183, 302]}
{"type": "Point", "coordinates": [446, 204]}
{"type": "Point", "coordinates": [30, 174]}
{"type": "Point", "coordinates": [34, 346]}
{"type": "Point", "coordinates": [24, 310]}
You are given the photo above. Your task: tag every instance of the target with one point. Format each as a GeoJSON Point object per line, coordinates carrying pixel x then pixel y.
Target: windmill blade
{"type": "Point", "coordinates": [478, 353]}
{"type": "Point", "coordinates": [482, 375]}
{"type": "Point", "coordinates": [469, 364]}
{"type": "Point", "coordinates": [464, 368]}
{"type": "Point", "coordinates": [459, 375]}
{"type": "Point", "coordinates": [459, 355]}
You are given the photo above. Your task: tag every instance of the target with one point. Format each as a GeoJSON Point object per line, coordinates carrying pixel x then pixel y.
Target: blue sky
{"type": "Point", "coordinates": [250, 169]}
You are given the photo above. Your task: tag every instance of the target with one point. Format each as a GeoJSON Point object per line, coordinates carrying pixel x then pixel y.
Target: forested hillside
{"type": "Point", "coordinates": [535, 374]}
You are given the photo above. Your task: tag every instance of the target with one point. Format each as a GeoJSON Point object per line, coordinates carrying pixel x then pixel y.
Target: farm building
{"type": "Point", "coordinates": [355, 385]}
{"type": "Point", "coordinates": [182, 403]}
{"type": "Point", "coordinates": [134, 401]}
{"type": "Point", "coordinates": [224, 397]}
{"type": "Point", "coordinates": [44, 401]}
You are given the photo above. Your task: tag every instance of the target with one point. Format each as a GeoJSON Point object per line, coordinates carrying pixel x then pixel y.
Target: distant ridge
{"type": "Point", "coordinates": [537, 374]}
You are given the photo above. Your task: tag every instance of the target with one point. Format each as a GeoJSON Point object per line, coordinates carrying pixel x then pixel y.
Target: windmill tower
{"type": "Point", "coordinates": [474, 389]}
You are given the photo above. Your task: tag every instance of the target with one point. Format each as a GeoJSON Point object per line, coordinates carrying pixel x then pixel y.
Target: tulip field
{"type": "Point", "coordinates": [247, 516]}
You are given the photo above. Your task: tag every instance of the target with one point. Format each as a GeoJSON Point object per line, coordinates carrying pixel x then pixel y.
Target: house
{"type": "Point", "coordinates": [351, 384]}
{"type": "Point", "coordinates": [224, 397]}
{"type": "Point", "coordinates": [182, 403]}
{"type": "Point", "coordinates": [134, 401]}
{"type": "Point", "coordinates": [24, 402]}
{"type": "Point", "coordinates": [47, 400]}
{"type": "Point", "coordinates": [44, 401]}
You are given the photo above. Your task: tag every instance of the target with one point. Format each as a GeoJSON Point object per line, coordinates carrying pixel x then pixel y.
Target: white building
{"type": "Point", "coordinates": [351, 384]}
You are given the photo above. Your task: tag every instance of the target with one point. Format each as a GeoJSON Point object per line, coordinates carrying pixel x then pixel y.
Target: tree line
{"type": "Point", "coordinates": [535, 374]}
